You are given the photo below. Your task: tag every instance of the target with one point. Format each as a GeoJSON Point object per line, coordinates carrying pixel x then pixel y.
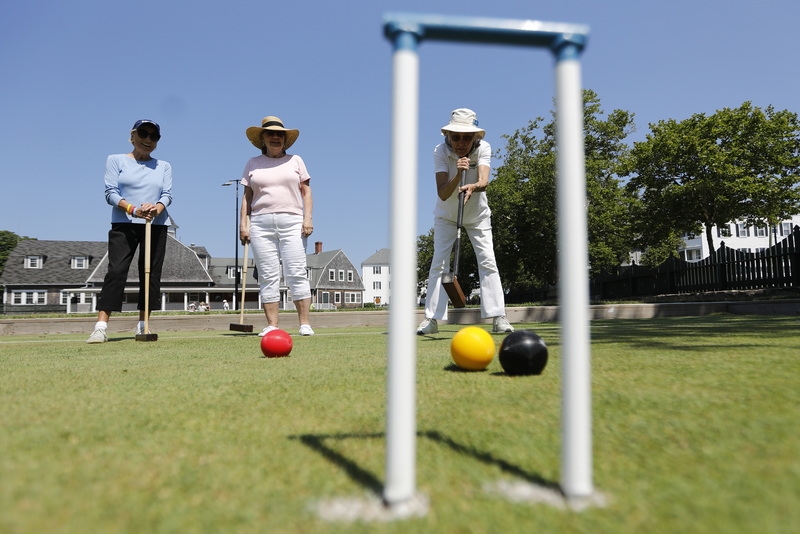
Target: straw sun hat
{"type": "Point", "coordinates": [271, 123]}
{"type": "Point", "coordinates": [463, 120]}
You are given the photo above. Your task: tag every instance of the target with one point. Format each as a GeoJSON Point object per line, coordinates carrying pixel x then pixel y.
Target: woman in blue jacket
{"type": "Point", "coordinates": [139, 189]}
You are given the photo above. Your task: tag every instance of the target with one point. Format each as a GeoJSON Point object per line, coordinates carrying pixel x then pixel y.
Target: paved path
{"type": "Point", "coordinates": [380, 318]}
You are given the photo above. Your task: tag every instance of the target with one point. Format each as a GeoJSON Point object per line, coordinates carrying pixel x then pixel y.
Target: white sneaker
{"type": "Point", "coordinates": [140, 331]}
{"type": "Point", "coordinates": [98, 336]}
{"type": "Point", "coordinates": [428, 326]}
{"type": "Point", "coordinates": [305, 330]}
{"type": "Point", "coordinates": [267, 329]}
{"type": "Point", "coordinates": [501, 324]}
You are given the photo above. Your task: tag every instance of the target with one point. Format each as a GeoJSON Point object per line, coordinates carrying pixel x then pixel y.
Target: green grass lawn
{"type": "Point", "coordinates": [696, 429]}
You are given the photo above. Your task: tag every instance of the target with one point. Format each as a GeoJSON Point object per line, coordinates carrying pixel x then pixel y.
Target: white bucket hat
{"type": "Point", "coordinates": [464, 120]}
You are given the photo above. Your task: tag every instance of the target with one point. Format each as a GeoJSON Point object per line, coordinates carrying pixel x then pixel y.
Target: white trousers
{"type": "Point", "coordinates": [493, 302]}
{"type": "Point", "coordinates": [277, 238]}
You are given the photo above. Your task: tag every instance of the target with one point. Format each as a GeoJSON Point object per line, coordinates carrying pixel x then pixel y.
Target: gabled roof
{"type": "Point", "coordinates": [181, 266]}
{"type": "Point", "coordinates": [321, 260]}
{"type": "Point", "coordinates": [200, 251]}
{"type": "Point", "coordinates": [56, 262]}
{"type": "Point", "coordinates": [218, 269]}
{"type": "Point", "coordinates": [318, 265]}
{"type": "Point", "coordinates": [379, 258]}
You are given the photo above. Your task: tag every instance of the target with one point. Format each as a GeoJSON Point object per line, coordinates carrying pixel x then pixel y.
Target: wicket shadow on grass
{"type": "Point", "coordinates": [371, 482]}
{"type": "Point", "coordinates": [359, 475]}
{"type": "Point", "coordinates": [489, 459]}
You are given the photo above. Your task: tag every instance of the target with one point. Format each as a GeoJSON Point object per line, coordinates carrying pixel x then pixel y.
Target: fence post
{"type": "Point", "coordinates": [720, 259]}
{"type": "Point", "coordinates": [794, 254]}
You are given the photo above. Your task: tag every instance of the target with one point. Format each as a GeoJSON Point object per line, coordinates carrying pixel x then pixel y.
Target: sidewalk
{"type": "Point", "coordinates": [380, 318]}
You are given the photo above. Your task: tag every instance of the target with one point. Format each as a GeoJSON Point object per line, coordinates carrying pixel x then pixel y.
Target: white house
{"type": "Point", "coordinates": [377, 278]}
{"type": "Point", "coordinates": [736, 235]}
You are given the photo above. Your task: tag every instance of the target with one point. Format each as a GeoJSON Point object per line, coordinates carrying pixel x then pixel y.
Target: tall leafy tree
{"type": "Point", "coordinates": [8, 242]}
{"type": "Point", "coordinates": [523, 197]}
{"type": "Point", "coordinates": [737, 164]}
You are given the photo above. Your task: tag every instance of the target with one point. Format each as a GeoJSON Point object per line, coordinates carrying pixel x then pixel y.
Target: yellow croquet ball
{"type": "Point", "coordinates": [472, 348]}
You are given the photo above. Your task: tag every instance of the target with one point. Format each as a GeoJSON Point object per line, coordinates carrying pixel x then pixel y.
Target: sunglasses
{"type": "Point", "coordinates": [270, 133]}
{"type": "Point", "coordinates": [144, 134]}
{"type": "Point", "coordinates": [457, 137]}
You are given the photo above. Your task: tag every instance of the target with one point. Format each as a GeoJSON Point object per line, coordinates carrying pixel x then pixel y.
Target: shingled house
{"type": "Point", "coordinates": [335, 282]}
{"type": "Point", "coordinates": [184, 275]}
{"type": "Point", "coordinates": [67, 276]}
{"type": "Point", "coordinates": [39, 275]}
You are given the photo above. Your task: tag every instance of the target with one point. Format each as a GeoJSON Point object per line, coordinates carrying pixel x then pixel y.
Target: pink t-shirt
{"type": "Point", "coordinates": [276, 183]}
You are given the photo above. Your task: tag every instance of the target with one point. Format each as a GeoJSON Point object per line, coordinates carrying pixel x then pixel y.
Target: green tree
{"type": "Point", "coordinates": [8, 242]}
{"type": "Point", "coordinates": [523, 198]}
{"type": "Point", "coordinates": [737, 164]}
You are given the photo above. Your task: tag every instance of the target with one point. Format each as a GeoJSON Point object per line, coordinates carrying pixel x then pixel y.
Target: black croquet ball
{"type": "Point", "coordinates": [523, 353]}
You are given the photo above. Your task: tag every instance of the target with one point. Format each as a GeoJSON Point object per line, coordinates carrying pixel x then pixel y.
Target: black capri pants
{"type": "Point", "coordinates": [123, 240]}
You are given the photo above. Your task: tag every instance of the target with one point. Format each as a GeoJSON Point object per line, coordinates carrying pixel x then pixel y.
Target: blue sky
{"type": "Point", "coordinates": [76, 75]}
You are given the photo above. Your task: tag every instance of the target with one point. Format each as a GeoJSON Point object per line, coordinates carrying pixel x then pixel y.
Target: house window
{"type": "Point", "coordinates": [724, 231]}
{"type": "Point", "coordinates": [33, 262]}
{"type": "Point", "coordinates": [349, 276]}
{"type": "Point", "coordinates": [693, 255]}
{"type": "Point", "coordinates": [337, 298]}
{"type": "Point", "coordinates": [761, 231]}
{"type": "Point", "coordinates": [341, 276]}
{"type": "Point", "coordinates": [376, 269]}
{"type": "Point", "coordinates": [80, 262]}
{"type": "Point", "coordinates": [742, 230]}
{"type": "Point", "coordinates": [22, 298]}
{"type": "Point", "coordinates": [376, 285]}
{"type": "Point", "coordinates": [232, 271]}
{"type": "Point", "coordinates": [352, 298]}
{"type": "Point", "coordinates": [786, 228]}
{"type": "Point", "coordinates": [80, 298]}
{"type": "Point", "coordinates": [331, 275]}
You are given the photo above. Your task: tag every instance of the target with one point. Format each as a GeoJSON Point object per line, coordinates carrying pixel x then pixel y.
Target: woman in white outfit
{"type": "Point", "coordinates": [463, 150]}
{"type": "Point", "coordinates": [276, 219]}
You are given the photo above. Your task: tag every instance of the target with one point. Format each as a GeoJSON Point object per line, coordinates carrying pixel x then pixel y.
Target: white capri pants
{"type": "Point", "coordinates": [493, 302]}
{"type": "Point", "coordinates": [277, 238]}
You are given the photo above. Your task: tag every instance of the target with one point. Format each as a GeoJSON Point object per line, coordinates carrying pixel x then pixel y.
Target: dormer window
{"type": "Point", "coordinates": [33, 262]}
{"type": "Point", "coordinates": [232, 270]}
{"type": "Point", "coordinates": [80, 262]}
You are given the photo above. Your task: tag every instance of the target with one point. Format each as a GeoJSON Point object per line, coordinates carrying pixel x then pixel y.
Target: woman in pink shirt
{"type": "Point", "coordinates": [276, 219]}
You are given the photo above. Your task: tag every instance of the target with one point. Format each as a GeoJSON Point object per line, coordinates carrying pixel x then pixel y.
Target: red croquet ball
{"type": "Point", "coordinates": [276, 344]}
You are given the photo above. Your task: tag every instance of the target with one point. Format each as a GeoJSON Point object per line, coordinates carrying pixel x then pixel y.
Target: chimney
{"type": "Point", "coordinates": [317, 247]}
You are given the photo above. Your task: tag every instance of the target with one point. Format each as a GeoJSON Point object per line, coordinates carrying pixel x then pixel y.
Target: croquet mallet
{"type": "Point", "coordinates": [146, 335]}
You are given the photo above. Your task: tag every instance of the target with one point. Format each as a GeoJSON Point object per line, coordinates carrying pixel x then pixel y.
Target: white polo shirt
{"type": "Point", "coordinates": [445, 160]}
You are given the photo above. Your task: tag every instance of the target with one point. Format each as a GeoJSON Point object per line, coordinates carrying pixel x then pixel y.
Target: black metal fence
{"type": "Point", "coordinates": [725, 269]}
